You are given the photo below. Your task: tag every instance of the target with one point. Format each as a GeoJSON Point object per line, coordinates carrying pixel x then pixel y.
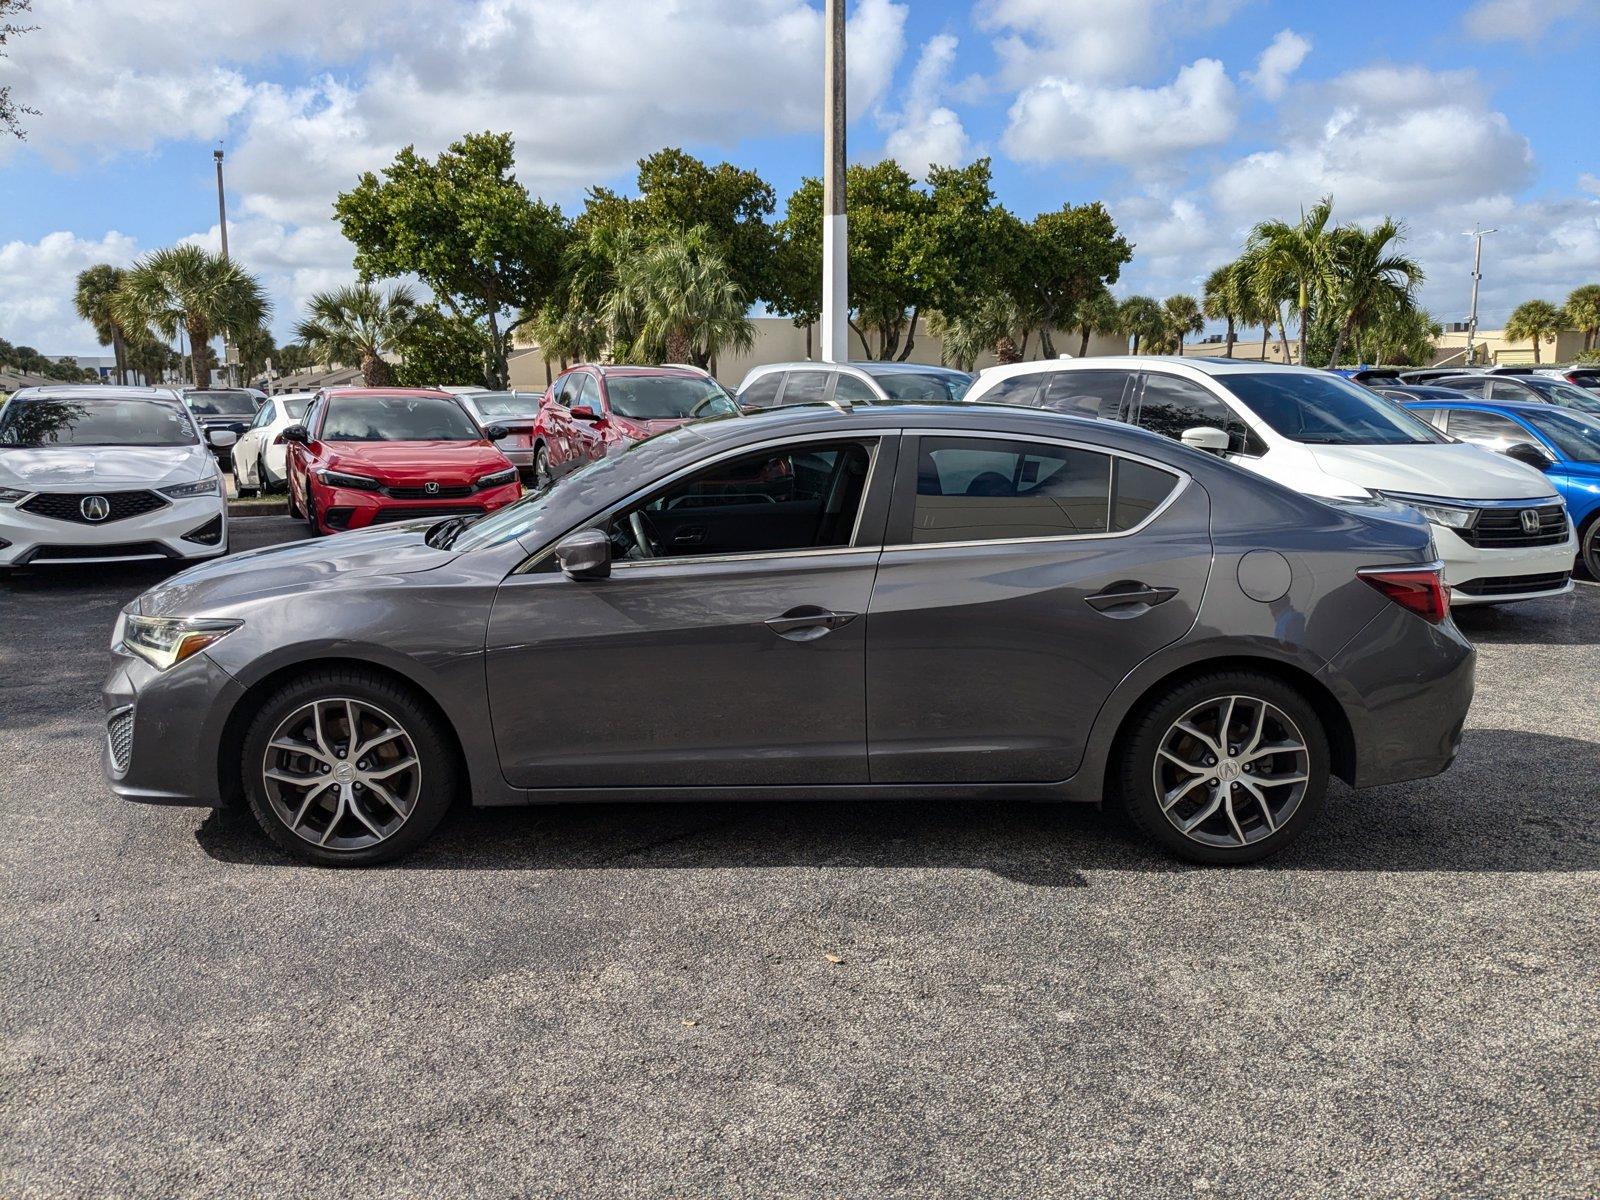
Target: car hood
{"type": "Point", "coordinates": [103, 466]}
{"type": "Point", "coordinates": [1445, 470]}
{"type": "Point", "coordinates": [348, 560]}
{"type": "Point", "coordinates": [417, 462]}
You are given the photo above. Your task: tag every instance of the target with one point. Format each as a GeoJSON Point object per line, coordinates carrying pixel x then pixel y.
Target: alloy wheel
{"type": "Point", "coordinates": [541, 469]}
{"type": "Point", "coordinates": [1231, 771]}
{"type": "Point", "coordinates": [341, 774]}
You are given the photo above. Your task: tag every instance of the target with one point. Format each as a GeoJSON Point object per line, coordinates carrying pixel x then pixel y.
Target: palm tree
{"type": "Point", "coordinates": [189, 288]}
{"type": "Point", "coordinates": [1099, 314]}
{"type": "Point", "coordinates": [1532, 320]}
{"type": "Point", "coordinates": [1398, 333]}
{"type": "Point", "coordinates": [1143, 320]}
{"type": "Point", "coordinates": [991, 325]}
{"type": "Point", "coordinates": [358, 324]}
{"type": "Point", "coordinates": [97, 286]}
{"type": "Point", "coordinates": [1294, 262]}
{"type": "Point", "coordinates": [1183, 317]}
{"type": "Point", "coordinates": [1365, 270]}
{"type": "Point", "coordinates": [677, 301]}
{"type": "Point", "coordinates": [1222, 301]}
{"type": "Point", "coordinates": [1583, 312]}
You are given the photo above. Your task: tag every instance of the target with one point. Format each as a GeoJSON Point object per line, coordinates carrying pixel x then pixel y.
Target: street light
{"type": "Point", "coordinates": [228, 356]}
{"type": "Point", "coordinates": [1477, 273]}
{"type": "Point", "coordinates": [835, 232]}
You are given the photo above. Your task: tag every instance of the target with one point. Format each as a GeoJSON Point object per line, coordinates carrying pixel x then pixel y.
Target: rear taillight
{"type": "Point", "coordinates": [1420, 589]}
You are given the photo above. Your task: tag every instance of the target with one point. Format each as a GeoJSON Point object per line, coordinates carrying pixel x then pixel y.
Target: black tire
{"type": "Point", "coordinates": [294, 509]}
{"type": "Point", "coordinates": [311, 513]}
{"type": "Point", "coordinates": [541, 467]}
{"type": "Point", "coordinates": [1134, 780]}
{"type": "Point", "coordinates": [440, 773]}
{"type": "Point", "coordinates": [1589, 548]}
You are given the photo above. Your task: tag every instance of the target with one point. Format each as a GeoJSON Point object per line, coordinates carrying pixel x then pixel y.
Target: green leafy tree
{"type": "Point", "coordinates": [1181, 317]}
{"type": "Point", "coordinates": [1294, 262]}
{"type": "Point", "coordinates": [358, 323]}
{"type": "Point", "coordinates": [1398, 334]}
{"type": "Point", "coordinates": [676, 301]}
{"type": "Point", "coordinates": [97, 287]}
{"type": "Point", "coordinates": [1142, 319]}
{"type": "Point", "coordinates": [463, 225]}
{"type": "Point", "coordinates": [12, 111]}
{"type": "Point", "coordinates": [255, 348]}
{"type": "Point", "coordinates": [730, 205]}
{"type": "Point", "coordinates": [190, 289]}
{"type": "Point", "coordinates": [1583, 313]}
{"type": "Point", "coordinates": [1098, 314]}
{"type": "Point", "coordinates": [439, 347]}
{"type": "Point", "coordinates": [152, 358]}
{"type": "Point", "coordinates": [1367, 270]}
{"type": "Point", "coordinates": [293, 357]}
{"type": "Point", "coordinates": [1534, 321]}
{"type": "Point", "coordinates": [1073, 255]}
{"type": "Point", "coordinates": [1222, 300]}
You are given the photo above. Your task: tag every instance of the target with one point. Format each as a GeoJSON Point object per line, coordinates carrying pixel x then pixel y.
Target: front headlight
{"type": "Point", "coordinates": [339, 479]}
{"type": "Point", "coordinates": [498, 479]}
{"type": "Point", "coordinates": [201, 487]}
{"type": "Point", "coordinates": [1447, 515]}
{"type": "Point", "coordinates": [11, 495]}
{"type": "Point", "coordinates": [164, 642]}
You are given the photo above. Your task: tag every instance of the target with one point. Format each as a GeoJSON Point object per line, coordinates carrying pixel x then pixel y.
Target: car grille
{"type": "Point", "coordinates": [1512, 585]}
{"type": "Point", "coordinates": [67, 506]}
{"type": "Point", "coordinates": [110, 550]}
{"type": "Point", "coordinates": [119, 736]}
{"type": "Point", "coordinates": [454, 492]}
{"type": "Point", "coordinates": [388, 516]}
{"type": "Point", "coordinates": [1500, 528]}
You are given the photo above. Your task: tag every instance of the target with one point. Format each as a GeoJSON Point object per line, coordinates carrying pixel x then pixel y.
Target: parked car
{"type": "Point", "coordinates": [1518, 388]}
{"type": "Point", "coordinates": [515, 412]}
{"type": "Point", "coordinates": [1586, 377]}
{"type": "Point", "coordinates": [1564, 444]}
{"type": "Point", "coordinates": [957, 601]}
{"type": "Point", "coordinates": [259, 464]}
{"type": "Point", "coordinates": [106, 474]}
{"type": "Point", "coordinates": [1434, 374]}
{"type": "Point", "coordinates": [775, 384]}
{"type": "Point", "coordinates": [224, 409]}
{"type": "Point", "coordinates": [1322, 435]}
{"type": "Point", "coordinates": [591, 411]}
{"type": "Point", "coordinates": [1369, 375]}
{"type": "Point", "coordinates": [373, 456]}
{"type": "Point", "coordinates": [1405, 393]}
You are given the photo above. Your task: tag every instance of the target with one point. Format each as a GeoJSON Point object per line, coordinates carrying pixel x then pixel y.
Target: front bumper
{"type": "Point", "coordinates": [350, 508]}
{"type": "Point", "coordinates": [1498, 576]}
{"type": "Point", "coordinates": [150, 714]}
{"type": "Point", "coordinates": [153, 536]}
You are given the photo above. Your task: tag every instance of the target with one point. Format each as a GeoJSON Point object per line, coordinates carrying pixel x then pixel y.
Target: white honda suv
{"type": "Point", "coordinates": [107, 474]}
{"type": "Point", "coordinates": [1500, 527]}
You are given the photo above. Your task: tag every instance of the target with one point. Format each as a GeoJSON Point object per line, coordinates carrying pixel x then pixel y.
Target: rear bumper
{"type": "Point", "coordinates": [163, 729]}
{"type": "Point", "coordinates": [154, 536]}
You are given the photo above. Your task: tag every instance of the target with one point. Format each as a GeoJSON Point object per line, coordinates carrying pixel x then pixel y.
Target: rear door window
{"type": "Point", "coordinates": [1018, 389]}
{"type": "Point", "coordinates": [1089, 393]}
{"type": "Point", "coordinates": [805, 387]}
{"type": "Point", "coordinates": [982, 489]}
{"type": "Point", "coordinates": [1169, 406]}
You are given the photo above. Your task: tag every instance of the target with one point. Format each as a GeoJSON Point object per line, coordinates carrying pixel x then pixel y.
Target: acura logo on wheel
{"type": "Point", "coordinates": [1530, 520]}
{"type": "Point", "coordinates": [431, 488]}
{"type": "Point", "coordinates": [94, 508]}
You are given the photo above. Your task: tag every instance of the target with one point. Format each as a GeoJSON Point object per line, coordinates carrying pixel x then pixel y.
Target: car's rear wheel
{"type": "Point", "coordinates": [343, 768]}
{"type": "Point", "coordinates": [1227, 768]}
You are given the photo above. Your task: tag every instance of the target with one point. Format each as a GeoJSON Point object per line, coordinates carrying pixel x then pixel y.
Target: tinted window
{"type": "Point", "coordinates": [1170, 405]}
{"type": "Point", "coordinates": [805, 387]}
{"type": "Point", "coordinates": [849, 389]}
{"type": "Point", "coordinates": [667, 397]}
{"type": "Point", "coordinates": [979, 489]}
{"type": "Point", "coordinates": [1019, 389]}
{"type": "Point", "coordinates": [1088, 393]}
{"type": "Point", "coordinates": [1555, 391]}
{"type": "Point", "coordinates": [789, 498]}
{"type": "Point", "coordinates": [1502, 389]}
{"type": "Point", "coordinates": [45, 421]}
{"type": "Point", "coordinates": [589, 396]}
{"type": "Point", "coordinates": [761, 392]}
{"type": "Point", "coordinates": [1472, 385]}
{"type": "Point", "coordinates": [1325, 410]}
{"type": "Point", "coordinates": [568, 387]}
{"type": "Point", "coordinates": [295, 408]}
{"type": "Point", "coordinates": [397, 419]}
{"type": "Point", "coordinates": [1137, 490]}
{"type": "Point", "coordinates": [265, 416]}
{"type": "Point", "coordinates": [1485, 427]}
{"type": "Point", "coordinates": [1577, 436]}
{"type": "Point", "coordinates": [222, 404]}
{"type": "Point", "coordinates": [920, 385]}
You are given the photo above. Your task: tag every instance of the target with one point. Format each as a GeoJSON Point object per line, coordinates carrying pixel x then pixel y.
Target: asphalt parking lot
{"type": "Point", "coordinates": [788, 999]}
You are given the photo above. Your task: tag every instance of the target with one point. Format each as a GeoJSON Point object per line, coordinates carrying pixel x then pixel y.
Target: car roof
{"type": "Point", "coordinates": [98, 391]}
{"type": "Point", "coordinates": [870, 367]}
{"type": "Point", "coordinates": [1198, 364]}
{"type": "Point", "coordinates": [388, 391]}
{"type": "Point", "coordinates": [1418, 389]}
{"type": "Point", "coordinates": [1518, 407]}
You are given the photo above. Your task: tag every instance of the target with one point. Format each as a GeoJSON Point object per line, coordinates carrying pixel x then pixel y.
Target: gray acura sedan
{"type": "Point", "coordinates": [884, 601]}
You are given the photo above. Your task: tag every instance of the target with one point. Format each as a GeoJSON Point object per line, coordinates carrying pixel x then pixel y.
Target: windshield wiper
{"type": "Point", "coordinates": [442, 535]}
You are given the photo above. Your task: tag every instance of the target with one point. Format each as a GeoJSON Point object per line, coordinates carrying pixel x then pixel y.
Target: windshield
{"type": "Point", "coordinates": [1564, 394]}
{"type": "Point", "coordinates": [667, 397]}
{"type": "Point", "coordinates": [222, 404]}
{"type": "Point", "coordinates": [295, 408]}
{"type": "Point", "coordinates": [31, 423]}
{"type": "Point", "coordinates": [924, 385]}
{"type": "Point", "coordinates": [506, 404]}
{"type": "Point", "coordinates": [1325, 410]}
{"type": "Point", "coordinates": [397, 419]}
{"type": "Point", "coordinates": [1575, 435]}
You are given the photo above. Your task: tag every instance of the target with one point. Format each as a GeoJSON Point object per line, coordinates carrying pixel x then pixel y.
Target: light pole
{"type": "Point", "coordinates": [228, 357]}
{"type": "Point", "coordinates": [835, 232]}
{"type": "Point", "coordinates": [1477, 273]}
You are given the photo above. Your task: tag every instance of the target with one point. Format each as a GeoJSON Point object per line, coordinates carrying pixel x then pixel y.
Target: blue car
{"type": "Point", "coordinates": [1561, 442]}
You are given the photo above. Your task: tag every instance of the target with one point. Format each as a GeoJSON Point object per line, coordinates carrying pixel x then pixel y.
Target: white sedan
{"type": "Point", "coordinates": [258, 459]}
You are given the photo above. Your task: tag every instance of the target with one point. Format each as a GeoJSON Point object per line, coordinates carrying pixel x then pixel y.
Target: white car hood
{"type": "Point", "coordinates": [68, 467]}
{"type": "Point", "coordinates": [1446, 470]}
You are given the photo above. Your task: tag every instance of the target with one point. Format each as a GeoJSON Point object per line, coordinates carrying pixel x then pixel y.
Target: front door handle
{"type": "Point", "coordinates": [808, 623]}
{"type": "Point", "coordinates": [1127, 593]}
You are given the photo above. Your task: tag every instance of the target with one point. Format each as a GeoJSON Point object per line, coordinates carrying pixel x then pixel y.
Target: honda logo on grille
{"type": "Point", "coordinates": [1530, 520]}
{"type": "Point", "coordinates": [431, 488]}
{"type": "Point", "coordinates": [94, 508]}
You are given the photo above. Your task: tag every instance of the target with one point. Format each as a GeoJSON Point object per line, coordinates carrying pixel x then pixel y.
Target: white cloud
{"type": "Point", "coordinates": [1590, 183]}
{"type": "Point", "coordinates": [37, 282]}
{"type": "Point", "coordinates": [1281, 59]}
{"type": "Point", "coordinates": [927, 132]}
{"type": "Point", "coordinates": [1057, 119]}
{"type": "Point", "coordinates": [1097, 41]}
{"type": "Point", "coordinates": [1517, 20]}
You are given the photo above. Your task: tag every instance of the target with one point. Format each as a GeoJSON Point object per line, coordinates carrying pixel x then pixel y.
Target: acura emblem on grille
{"type": "Point", "coordinates": [94, 508]}
{"type": "Point", "coordinates": [1530, 520]}
{"type": "Point", "coordinates": [433, 488]}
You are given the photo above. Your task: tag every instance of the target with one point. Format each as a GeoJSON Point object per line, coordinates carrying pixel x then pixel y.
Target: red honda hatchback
{"type": "Point", "coordinates": [372, 456]}
{"type": "Point", "coordinates": [591, 410]}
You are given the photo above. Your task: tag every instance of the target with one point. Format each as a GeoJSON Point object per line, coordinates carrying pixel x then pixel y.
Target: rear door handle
{"type": "Point", "coordinates": [1127, 594]}
{"type": "Point", "coordinates": [808, 623]}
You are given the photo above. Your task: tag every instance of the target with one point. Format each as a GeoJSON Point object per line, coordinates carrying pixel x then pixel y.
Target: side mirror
{"type": "Point", "coordinates": [495, 432]}
{"type": "Point", "coordinates": [1534, 456]}
{"type": "Point", "coordinates": [585, 554]}
{"type": "Point", "coordinates": [298, 434]}
{"type": "Point", "coordinates": [583, 412]}
{"type": "Point", "coordinates": [1205, 437]}
{"type": "Point", "coordinates": [222, 438]}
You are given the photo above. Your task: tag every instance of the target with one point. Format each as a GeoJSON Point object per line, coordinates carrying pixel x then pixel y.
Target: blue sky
{"type": "Point", "coordinates": [1190, 119]}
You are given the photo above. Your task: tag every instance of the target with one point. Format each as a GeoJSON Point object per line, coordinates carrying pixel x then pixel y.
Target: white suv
{"type": "Point", "coordinates": [107, 474]}
{"type": "Point", "coordinates": [1501, 528]}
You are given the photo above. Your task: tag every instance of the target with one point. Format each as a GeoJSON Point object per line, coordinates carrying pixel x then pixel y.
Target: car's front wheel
{"type": "Point", "coordinates": [345, 768]}
{"type": "Point", "coordinates": [1589, 550]}
{"type": "Point", "coordinates": [1227, 768]}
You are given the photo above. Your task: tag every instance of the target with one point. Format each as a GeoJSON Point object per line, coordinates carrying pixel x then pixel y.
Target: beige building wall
{"type": "Point", "coordinates": [1498, 348]}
